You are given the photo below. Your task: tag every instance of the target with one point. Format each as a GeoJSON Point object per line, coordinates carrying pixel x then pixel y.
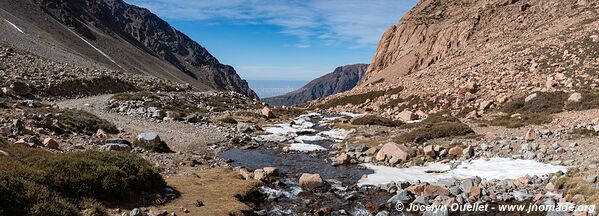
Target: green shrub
{"type": "Point", "coordinates": [375, 120]}
{"type": "Point", "coordinates": [522, 120]}
{"type": "Point", "coordinates": [544, 102]}
{"type": "Point", "coordinates": [37, 182]}
{"type": "Point", "coordinates": [84, 122]}
{"type": "Point", "coordinates": [434, 131]}
{"type": "Point", "coordinates": [358, 98]}
{"type": "Point", "coordinates": [589, 101]}
{"type": "Point", "coordinates": [228, 120]}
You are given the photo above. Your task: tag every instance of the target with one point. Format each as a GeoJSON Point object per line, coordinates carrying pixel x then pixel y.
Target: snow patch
{"type": "Point", "coordinates": [95, 48]}
{"type": "Point", "coordinates": [304, 138]}
{"type": "Point", "coordinates": [338, 134]}
{"type": "Point", "coordinates": [351, 114]}
{"type": "Point", "coordinates": [15, 26]}
{"type": "Point", "coordinates": [305, 147]}
{"type": "Point", "coordinates": [493, 168]}
{"type": "Point", "coordinates": [285, 129]}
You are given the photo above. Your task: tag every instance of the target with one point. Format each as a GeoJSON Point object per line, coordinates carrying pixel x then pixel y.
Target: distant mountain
{"type": "Point", "coordinates": [342, 79]}
{"type": "Point", "coordinates": [115, 35]}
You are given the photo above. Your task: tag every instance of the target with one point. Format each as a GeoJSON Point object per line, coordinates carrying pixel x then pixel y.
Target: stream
{"type": "Point", "coordinates": [311, 141]}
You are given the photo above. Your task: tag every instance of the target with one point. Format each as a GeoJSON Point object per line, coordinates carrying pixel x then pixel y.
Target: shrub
{"type": "Point", "coordinates": [228, 120]}
{"type": "Point", "coordinates": [84, 122]}
{"type": "Point", "coordinates": [37, 182]}
{"type": "Point", "coordinates": [375, 120]}
{"type": "Point", "coordinates": [521, 120]}
{"type": "Point", "coordinates": [434, 131]}
{"type": "Point", "coordinates": [544, 102]}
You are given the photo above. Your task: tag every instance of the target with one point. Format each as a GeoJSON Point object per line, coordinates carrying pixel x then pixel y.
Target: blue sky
{"type": "Point", "coordinates": [283, 40]}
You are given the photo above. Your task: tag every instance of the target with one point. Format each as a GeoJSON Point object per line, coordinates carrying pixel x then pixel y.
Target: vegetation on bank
{"type": "Point", "coordinates": [84, 122]}
{"type": "Point", "coordinates": [38, 182]}
{"type": "Point", "coordinates": [376, 120]}
{"type": "Point", "coordinates": [434, 127]}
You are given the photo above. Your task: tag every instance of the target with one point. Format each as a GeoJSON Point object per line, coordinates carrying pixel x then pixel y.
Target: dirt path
{"type": "Point", "coordinates": [180, 137]}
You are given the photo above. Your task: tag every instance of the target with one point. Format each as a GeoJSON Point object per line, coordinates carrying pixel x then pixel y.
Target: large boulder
{"type": "Point", "coordinates": [575, 97]}
{"type": "Point", "coordinates": [310, 181]}
{"type": "Point", "coordinates": [51, 143]}
{"type": "Point", "coordinates": [407, 115]}
{"type": "Point", "coordinates": [530, 135]}
{"type": "Point", "coordinates": [267, 112]}
{"type": "Point", "coordinates": [152, 142]}
{"type": "Point", "coordinates": [394, 151]}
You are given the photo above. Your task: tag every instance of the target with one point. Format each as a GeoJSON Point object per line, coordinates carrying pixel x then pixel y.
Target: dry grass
{"type": "Point", "coordinates": [435, 131]}
{"type": "Point", "coordinates": [218, 189]}
{"type": "Point", "coordinates": [574, 183]}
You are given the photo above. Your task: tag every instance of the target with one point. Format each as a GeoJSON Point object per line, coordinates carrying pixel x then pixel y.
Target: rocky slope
{"type": "Point", "coordinates": [114, 35]}
{"type": "Point", "coordinates": [342, 79]}
{"type": "Point", "coordinates": [465, 54]}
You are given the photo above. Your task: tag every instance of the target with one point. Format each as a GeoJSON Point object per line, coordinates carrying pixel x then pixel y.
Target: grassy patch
{"type": "Point", "coordinates": [84, 122]}
{"type": "Point", "coordinates": [544, 102]}
{"type": "Point", "coordinates": [127, 96]}
{"type": "Point", "coordinates": [358, 98]}
{"type": "Point", "coordinates": [375, 120]}
{"type": "Point", "coordinates": [521, 120]}
{"type": "Point", "coordinates": [439, 130]}
{"type": "Point", "coordinates": [37, 182]}
{"type": "Point", "coordinates": [574, 183]}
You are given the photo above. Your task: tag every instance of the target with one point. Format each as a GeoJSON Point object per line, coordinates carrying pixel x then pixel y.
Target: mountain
{"type": "Point", "coordinates": [341, 79]}
{"type": "Point", "coordinates": [461, 55]}
{"type": "Point", "coordinates": [113, 34]}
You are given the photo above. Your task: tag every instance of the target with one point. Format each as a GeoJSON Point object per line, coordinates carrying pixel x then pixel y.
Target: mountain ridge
{"type": "Point", "coordinates": [119, 36]}
{"type": "Point", "coordinates": [343, 78]}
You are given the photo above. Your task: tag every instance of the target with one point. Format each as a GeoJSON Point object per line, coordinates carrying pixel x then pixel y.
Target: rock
{"type": "Point", "coordinates": [101, 134]}
{"type": "Point", "coordinates": [550, 186]}
{"type": "Point", "coordinates": [245, 127]}
{"type": "Point", "coordinates": [135, 212]}
{"type": "Point", "coordinates": [116, 147]}
{"type": "Point", "coordinates": [524, 180]}
{"type": "Point", "coordinates": [407, 116]}
{"type": "Point", "coordinates": [158, 212]}
{"type": "Point", "coordinates": [393, 150]}
{"type": "Point", "coordinates": [531, 135]}
{"type": "Point", "coordinates": [172, 115]}
{"type": "Point", "coordinates": [152, 142]}
{"type": "Point", "coordinates": [22, 142]}
{"type": "Point", "coordinates": [118, 141]}
{"type": "Point", "coordinates": [247, 175]}
{"type": "Point", "coordinates": [158, 114]}
{"type": "Point", "coordinates": [149, 137]}
{"type": "Point", "coordinates": [3, 153]}
{"type": "Point", "coordinates": [485, 105]}
{"type": "Point", "coordinates": [270, 171]}
{"type": "Point", "coordinates": [470, 87]}
{"type": "Point", "coordinates": [371, 151]}
{"type": "Point", "coordinates": [468, 152]}
{"type": "Point", "coordinates": [591, 179]}
{"type": "Point", "coordinates": [267, 112]}
{"type": "Point", "coordinates": [432, 191]}
{"type": "Point", "coordinates": [596, 128]}
{"type": "Point", "coordinates": [260, 175]}
{"type": "Point", "coordinates": [474, 192]}
{"type": "Point", "coordinates": [455, 151]}
{"type": "Point", "coordinates": [550, 84]}
{"type": "Point", "coordinates": [51, 143]}
{"type": "Point", "coordinates": [402, 196]}
{"type": "Point", "coordinates": [310, 182]}
{"type": "Point", "coordinates": [530, 97]}
{"type": "Point", "coordinates": [429, 151]}
{"type": "Point", "coordinates": [343, 158]}
{"type": "Point", "coordinates": [575, 97]}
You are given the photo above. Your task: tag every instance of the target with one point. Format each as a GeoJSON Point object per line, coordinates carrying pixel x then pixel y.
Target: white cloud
{"type": "Point", "coordinates": [333, 22]}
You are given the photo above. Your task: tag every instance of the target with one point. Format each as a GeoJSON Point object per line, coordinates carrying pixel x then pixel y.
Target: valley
{"type": "Point", "coordinates": [105, 109]}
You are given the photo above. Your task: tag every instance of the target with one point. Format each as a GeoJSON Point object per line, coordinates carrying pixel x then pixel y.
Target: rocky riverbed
{"type": "Point", "coordinates": [309, 165]}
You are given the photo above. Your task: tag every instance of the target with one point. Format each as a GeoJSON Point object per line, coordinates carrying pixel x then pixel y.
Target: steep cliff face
{"type": "Point", "coordinates": [127, 38]}
{"type": "Point", "coordinates": [340, 80]}
{"type": "Point", "coordinates": [503, 48]}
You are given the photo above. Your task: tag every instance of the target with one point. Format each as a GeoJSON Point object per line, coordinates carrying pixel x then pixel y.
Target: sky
{"type": "Point", "coordinates": [283, 39]}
